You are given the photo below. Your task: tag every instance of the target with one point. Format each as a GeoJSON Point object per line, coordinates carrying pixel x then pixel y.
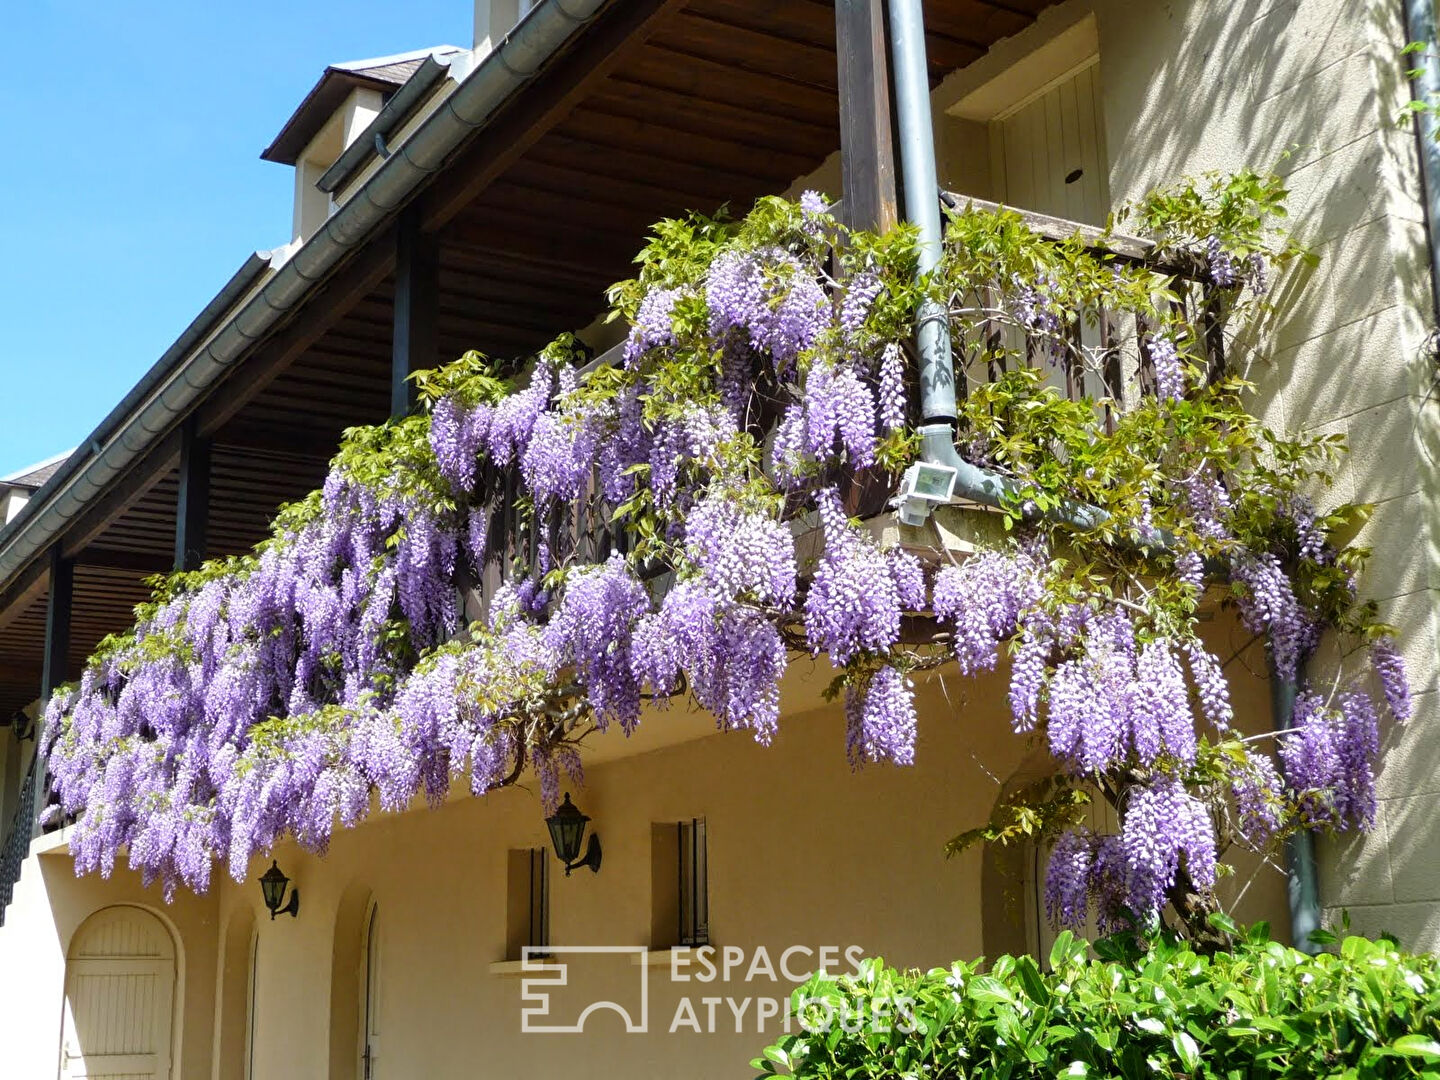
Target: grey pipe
{"type": "Point", "coordinates": [1302, 881]}
{"type": "Point", "coordinates": [175, 385]}
{"type": "Point", "coordinates": [1420, 26]}
{"type": "Point", "coordinates": [932, 329]}
{"type": "Point", "coordinates": [922, 201]}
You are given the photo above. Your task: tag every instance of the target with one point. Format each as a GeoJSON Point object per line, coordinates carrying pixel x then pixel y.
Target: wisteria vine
{"type": "Point", "coordinates": [526, 559]}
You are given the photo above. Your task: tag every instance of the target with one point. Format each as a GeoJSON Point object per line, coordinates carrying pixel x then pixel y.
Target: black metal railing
{"type": "Point", "coordinates": [19, 833]}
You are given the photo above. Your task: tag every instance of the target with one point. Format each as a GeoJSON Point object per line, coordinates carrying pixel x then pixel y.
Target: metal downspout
{"type": "Point", "coordinates": [932, 330]}
{"type": "Point", "coordinates": [922, 203]}
{"type": "Point", "coordinates": [1420, 27]}
{"type": "Point", "coordinates": [1302, 885]}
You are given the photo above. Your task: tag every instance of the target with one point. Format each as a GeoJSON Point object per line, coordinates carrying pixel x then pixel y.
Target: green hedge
{"type": "Point", "coordinates": [1129, 1009]}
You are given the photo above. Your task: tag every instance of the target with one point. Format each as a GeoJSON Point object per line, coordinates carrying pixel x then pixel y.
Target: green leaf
{"type": "Point", "coordinates": [1186, 1050]}
{"type": "Point", "coordinates": [1417, 1046]}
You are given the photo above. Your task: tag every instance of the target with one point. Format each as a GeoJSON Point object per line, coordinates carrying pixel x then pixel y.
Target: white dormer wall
{"type": "Point", "coordinates": [11, 502]}
{"type": "Point", "coordinates": [313, 206]}
{"type": "Point", "coordinates": [494, 19]}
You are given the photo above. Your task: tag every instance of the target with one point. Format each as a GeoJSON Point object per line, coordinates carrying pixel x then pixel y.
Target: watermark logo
{"type": "Point", "coordinates": [758, 984]}
{"type": "Point", "coordinates": [550, 972]}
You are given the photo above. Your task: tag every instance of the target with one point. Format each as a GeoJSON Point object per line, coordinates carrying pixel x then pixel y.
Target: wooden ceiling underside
{"type": "Point", "coordinates": [661, 107]}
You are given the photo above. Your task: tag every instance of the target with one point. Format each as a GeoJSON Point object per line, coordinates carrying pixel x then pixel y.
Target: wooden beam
{"type": "Point", "coordinates": [332, 301]}
{"type": "Point", "coordinates": [192, 501]}
{"type": "Point", "coordinates": [137, 482]}
{"type": "Point", "coordinates": [1122, 246]}
{"type": "Point", "coordinates": [281, 441]}
{"type": "Point", "coordinates": [414, 342]}
{"type": "Point", "coordinates": [867, 148]}
{"type": "Point", "coordinates": [141, 562]}
{"type": "Point", "coordinates": [25, 589]}
{"type": "Point", "coordinates": [57, 621]}
{"type": "Point", "coordinates": [597, 51]}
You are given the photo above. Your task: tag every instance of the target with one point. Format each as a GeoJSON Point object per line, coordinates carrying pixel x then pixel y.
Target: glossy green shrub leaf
{"type": "Point", "coordinates": [1140, 1012]}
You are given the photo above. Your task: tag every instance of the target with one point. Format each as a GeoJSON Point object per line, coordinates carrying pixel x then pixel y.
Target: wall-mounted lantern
{"type": "Point", "coordinates": [567, 830]}
{"type": "Point", "coordinates": [272, 884]}
{"type": "Point", "coordinates": [23, 726]}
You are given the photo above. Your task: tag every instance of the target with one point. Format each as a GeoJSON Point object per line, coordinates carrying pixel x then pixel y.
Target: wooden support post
{"type": "Point", "coordinates": [417, 296]}
{"type": "Point", "coordinates": [57, 621]}
{"type": "Point", "coordinates": [867, 148]}
{"type": "Point", "coordinates": [192, 503]}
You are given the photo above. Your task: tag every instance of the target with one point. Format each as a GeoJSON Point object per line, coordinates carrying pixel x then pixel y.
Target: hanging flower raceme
{"type": "Point", "coordinates": [592, 629]}
{"type": "Point", "coordinates": [740, 553]}
{"type": "Point", "coordinates": [880, 720]}
{"type": "Point", "coordinates": [858, 592]}
{"type": "Point", "coordinates": [771, 298]}
{"type": "Point", "coordinates": [983, 599]}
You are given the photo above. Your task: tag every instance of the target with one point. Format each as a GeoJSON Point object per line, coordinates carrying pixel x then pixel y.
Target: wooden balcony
{"type": "Point", "coordinates": [986, 345]}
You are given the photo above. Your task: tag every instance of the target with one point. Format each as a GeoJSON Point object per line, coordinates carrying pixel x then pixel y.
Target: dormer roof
{"type": "Point", "coordinates": [34, 476]}
{"type": "Point", "coordinates": [383, 73]}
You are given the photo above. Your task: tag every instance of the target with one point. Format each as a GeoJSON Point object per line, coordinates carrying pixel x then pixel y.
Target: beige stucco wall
{"type": "Point", "coordinates": [49, 905]}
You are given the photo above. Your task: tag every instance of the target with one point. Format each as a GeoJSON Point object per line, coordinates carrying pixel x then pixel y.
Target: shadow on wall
{"type": "Point", "coordinates": [1315, 89]}
{"type": "Point", "coordinates": [236, 1002]}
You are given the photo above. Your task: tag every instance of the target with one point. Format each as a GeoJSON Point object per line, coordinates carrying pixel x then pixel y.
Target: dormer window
{"type": "Point", "coordinates": [336, 112]}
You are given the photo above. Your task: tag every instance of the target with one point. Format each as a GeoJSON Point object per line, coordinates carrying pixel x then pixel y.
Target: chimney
{"type": "Point", "coordinates": [494, 19]}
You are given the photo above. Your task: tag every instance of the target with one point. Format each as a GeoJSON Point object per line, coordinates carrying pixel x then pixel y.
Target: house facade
{"type": "Point", "coordinates": [454, 198]}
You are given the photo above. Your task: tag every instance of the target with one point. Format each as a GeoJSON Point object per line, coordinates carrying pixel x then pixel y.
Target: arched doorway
{"type": "Point", "coordinates": [355, 988]}
{"type": "Point", "coordinates": [119, 997]}
{"type": "Point", "coordinates": [236, 1007]}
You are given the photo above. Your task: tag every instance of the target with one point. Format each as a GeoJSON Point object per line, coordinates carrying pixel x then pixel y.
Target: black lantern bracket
{"type": "Point", "coordinates": [272, 885]}
{"type": "Point", "coordinates": [567, 831]}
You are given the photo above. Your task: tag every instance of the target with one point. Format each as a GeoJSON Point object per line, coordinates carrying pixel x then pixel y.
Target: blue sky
{"type": "Point", "coordinates": [131, 185]}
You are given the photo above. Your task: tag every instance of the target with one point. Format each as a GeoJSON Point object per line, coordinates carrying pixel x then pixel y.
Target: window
{"type": "Point", "coordinates": [694, 895]}
{"type": "Point", "coordinates": [679, 885]}
{"type": "Point", "coordinates": [527, 911]}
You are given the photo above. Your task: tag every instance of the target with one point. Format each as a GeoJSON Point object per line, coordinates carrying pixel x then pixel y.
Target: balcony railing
{"type": "Point", "coordinates": [19, 832]}
{"type": "Point", "coordinates": [988, 352]}
{"type": "Point", "coordinates": [587, 527]}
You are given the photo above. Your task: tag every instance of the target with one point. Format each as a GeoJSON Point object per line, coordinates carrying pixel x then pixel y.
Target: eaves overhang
{"type": "Point", "coordinates": [268, 287]}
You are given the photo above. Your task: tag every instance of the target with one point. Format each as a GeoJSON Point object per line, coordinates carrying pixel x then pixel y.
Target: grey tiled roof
{"type": "Point", "coordinates": [35, 476]}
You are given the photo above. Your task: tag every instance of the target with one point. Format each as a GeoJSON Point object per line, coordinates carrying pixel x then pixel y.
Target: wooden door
{"type": "Point", "coordinates": [1048, 152]}
{"type": "Point", "coordinates": [119, 998]}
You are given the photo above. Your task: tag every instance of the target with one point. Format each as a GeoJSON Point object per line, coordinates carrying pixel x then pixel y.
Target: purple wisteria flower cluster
{"type": "Point", "coordinates": [1164, 829]}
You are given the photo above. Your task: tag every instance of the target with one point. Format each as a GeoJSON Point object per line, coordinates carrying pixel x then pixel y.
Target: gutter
{"type": "Point", "coordinates": [937, 370]}
{"type": "Point", "coordinates": [181, 378]}
{"type": "Point", "coordinates": [401, 106]}
{"type": "Point", "coordinates": [1425, 88]}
